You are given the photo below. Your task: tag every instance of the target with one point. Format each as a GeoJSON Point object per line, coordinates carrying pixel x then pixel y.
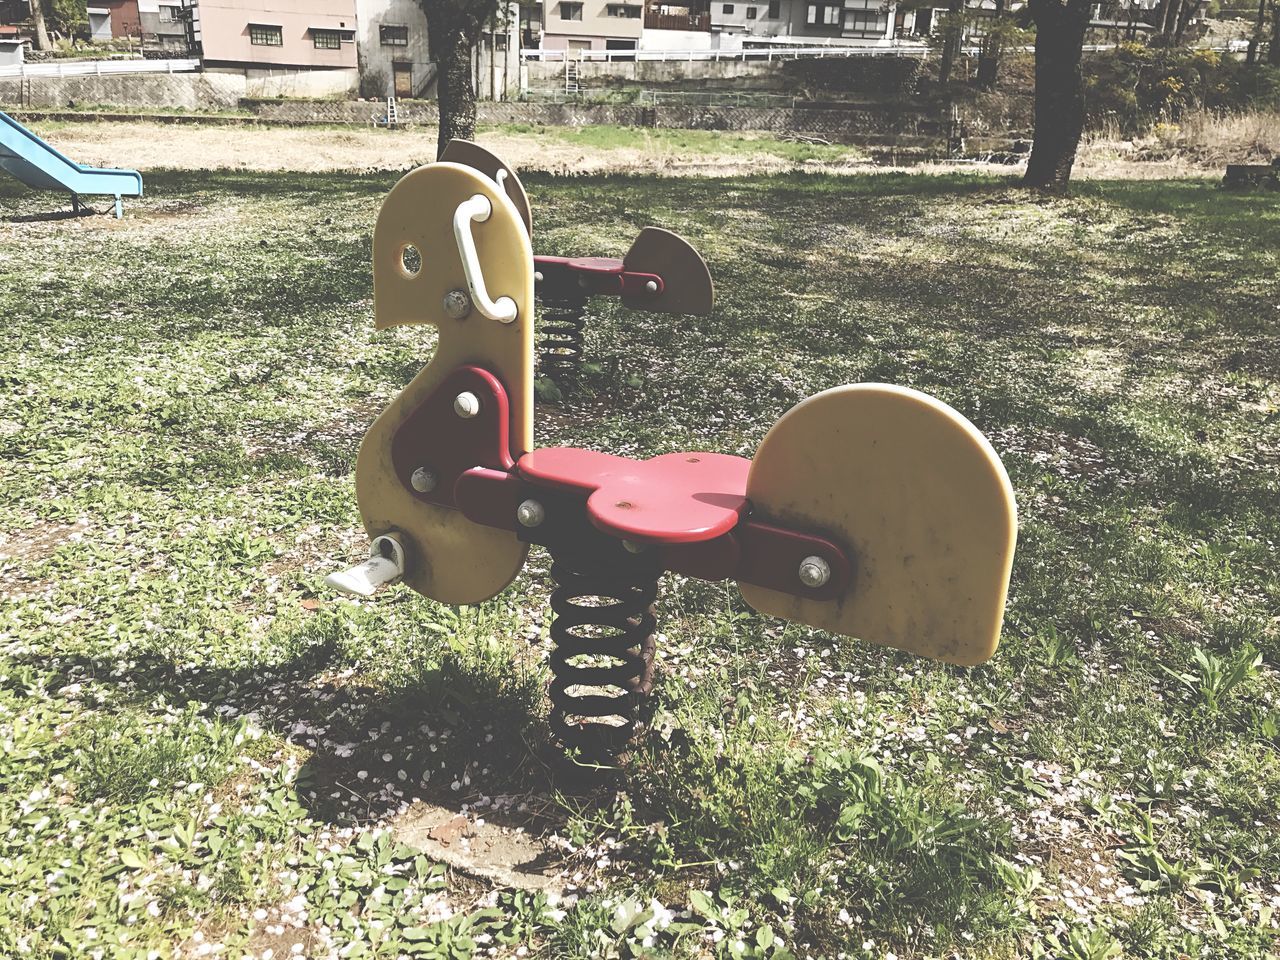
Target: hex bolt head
{"type": "Point", "coordinates": [652, 286]}
{"type": "Point", "coordinates": [457, 304]}
{"type": "Point", "coordinates": [814, 572]}
{"type": "Point", "coordinates": [531, 513]}
{"type": "Point", "coordinates": [423, 480]}
{"type": "Point", "coordinates": [466, 404]}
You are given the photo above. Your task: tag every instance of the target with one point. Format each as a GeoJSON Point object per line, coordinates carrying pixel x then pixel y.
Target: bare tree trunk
{"type": "Point", "coordinates": [1185, 15]}
{"type": "Point", "coordinates": [1255, 41]}
{"type": "Point", "coordinates": [1273, 49]}
{"type": "Point", "coordinates": [455, 91]}
{"type": "Point", "coordinates": [950, 41]}
{"type": "Point", "coordinates": [457, 95]}
{"type": "Point", "coordinates": [989, 61]}
{"type": "Point", "coordinates": [1169, 22]}
{"type": "Point", "coordinates": [42, 31]}
{"type": "Point", "coordinates": [1059, 96]}
{"type": "Point", "coordinates": [453, 30]}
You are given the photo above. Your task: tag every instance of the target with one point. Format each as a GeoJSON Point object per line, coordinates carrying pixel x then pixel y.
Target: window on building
{"type": "Point", "coordinates": [327, 39]}
{"type": "Point", "coordinates": [266, 35]}
{"type": "Point", "coordinates": [823, 15]}
{"type": "Point", "coordinates": [170, 14]}
{"type": "Point", "coordinates": [727, 9]}
{"type": "Point", "coordinates": [627, 11]}
{"type": "Point", "coordinates": [570, 11]}
{"type": "Point", "coordinates": [775, 10]}
{"type": "Point", "coordinates": [752, 12]}
{"type": "Point", "coordinates": [868, 22]}
{"type": "Point", "coordinates": [390, 35]}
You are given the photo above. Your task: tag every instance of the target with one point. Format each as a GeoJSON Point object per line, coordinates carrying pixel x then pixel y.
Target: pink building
{"type": "Point", "coordinates": [269, 34]}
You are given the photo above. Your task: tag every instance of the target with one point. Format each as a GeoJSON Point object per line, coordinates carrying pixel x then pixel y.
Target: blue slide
{"type": "Point", "coordinates": [38, 165]}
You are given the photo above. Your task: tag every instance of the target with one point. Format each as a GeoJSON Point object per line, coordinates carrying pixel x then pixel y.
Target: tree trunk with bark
{"type": "Point", "coordinates": [950, 40]}
{"type": "Point", "coordinates": [453, 30]}
{"type": "Point", "coordinates": [1255, 39]}
{"type": "Point", "coordinates": [1186, 14]}
{"type": "Point", "coordinates": [992, 44]}
{"type": "Point", "coordinates": [1059, 94]}
{"type": "Point", "coordinates": [456, 93]}
{"type": "Point", "coordinates": [42, 31]}
{"type": "Point", "coordinates": [1273, 48]}
{"type": "Point", "coordinates": [1170, 17]}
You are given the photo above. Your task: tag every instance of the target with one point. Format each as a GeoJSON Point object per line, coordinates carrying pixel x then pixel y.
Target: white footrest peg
{"type": "Point", "coordinates": [385, 564]}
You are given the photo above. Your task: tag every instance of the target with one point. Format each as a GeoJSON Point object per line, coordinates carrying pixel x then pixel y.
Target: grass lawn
{"type": "Point", "coordinates": [200, 746]}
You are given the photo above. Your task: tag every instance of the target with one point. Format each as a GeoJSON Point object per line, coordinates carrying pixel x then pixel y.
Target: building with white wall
{"type": "Point", "coordinates": [592, 24]}
{"type": "Point", "coordinates": [767, 18]}
{"type": "Point", "coordinates": [391, 46]}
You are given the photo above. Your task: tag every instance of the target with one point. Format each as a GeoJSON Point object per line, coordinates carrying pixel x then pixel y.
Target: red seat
{"type": "Point", "coordinates": [674, 498]}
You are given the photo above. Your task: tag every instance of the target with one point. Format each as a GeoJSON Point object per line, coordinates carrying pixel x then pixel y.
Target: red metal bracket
{"type": "Point", "coordinates": [577, 278]}
{"type": "Point", "coordinates": [690, 507]}
{"type": "Point", "coordinates": [439, 441]}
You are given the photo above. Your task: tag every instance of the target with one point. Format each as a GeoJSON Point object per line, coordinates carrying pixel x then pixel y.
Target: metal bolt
{"type": "Point", "coordinates": [466, 404]}
{"type": "Point", "coordinates": [423, 480]}
{"type": "Point", "coordinates": [652, 286]}
{"type": "Point", "coordinates": [537, 276]}
{"type": "Point", "coordinates": [531, 513]}
{"type": "Point", "coordinates": [814, 572]}
{"type": "Point", "coordinates": [457, 304]}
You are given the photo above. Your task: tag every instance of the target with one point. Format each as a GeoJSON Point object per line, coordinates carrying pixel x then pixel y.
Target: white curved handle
{"type": "Point", "coordinates": [478, 208]}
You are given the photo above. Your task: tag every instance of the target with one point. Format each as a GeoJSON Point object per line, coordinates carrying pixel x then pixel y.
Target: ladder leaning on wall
{"type": "Point", "coordinates": [571, 85]}
{"type": "Point", "coordinates": [390, 119]}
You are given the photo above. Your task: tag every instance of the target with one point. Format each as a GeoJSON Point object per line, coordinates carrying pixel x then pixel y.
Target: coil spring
{"type": "Point", "coordinates": [562, 333]}
{"type": "Point", "coordinates": [603, 611]}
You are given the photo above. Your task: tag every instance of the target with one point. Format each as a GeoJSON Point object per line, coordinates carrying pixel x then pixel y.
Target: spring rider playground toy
{"type": "Point", "coordinates": [661, 273]}
{"type": "Point", "coordinates": [869, 510]}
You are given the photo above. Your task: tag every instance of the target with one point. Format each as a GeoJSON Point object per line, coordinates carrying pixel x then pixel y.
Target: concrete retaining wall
{"type": "Point", "coordinates": [839, 124]}
{"type": "Point", "coordinates": [187, 91]}
{"type": "Point", "coordinates": [214, 91]}
{"type": "Point", "coordinates": [210, 90]}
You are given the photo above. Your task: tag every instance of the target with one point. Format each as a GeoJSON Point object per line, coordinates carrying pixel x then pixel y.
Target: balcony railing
{"type": "Point", "coordinates": [677, 21]}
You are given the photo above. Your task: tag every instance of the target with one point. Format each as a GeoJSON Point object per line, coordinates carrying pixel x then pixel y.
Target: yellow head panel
{"type": "Point", "coordinates": [921, 500]}
{"type": "Point", "coordinates": [450, 559]}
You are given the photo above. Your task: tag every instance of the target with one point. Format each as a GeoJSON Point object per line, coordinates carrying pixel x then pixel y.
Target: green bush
{"type": "Point", "coordinates": [1136, 86]}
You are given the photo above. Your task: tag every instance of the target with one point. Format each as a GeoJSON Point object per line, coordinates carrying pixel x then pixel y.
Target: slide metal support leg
{"type": "Point", "coordinates": [75, 204]}
{"type": "Point", "coordinates": [119, 208]}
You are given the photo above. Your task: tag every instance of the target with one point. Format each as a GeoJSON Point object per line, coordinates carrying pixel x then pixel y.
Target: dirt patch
{"type": "Point", "coordinates": [498, 848]}
{"type": "Point", "coordinates": [148, 146]}
{"type": "Point", "coordinates": [39, 543]}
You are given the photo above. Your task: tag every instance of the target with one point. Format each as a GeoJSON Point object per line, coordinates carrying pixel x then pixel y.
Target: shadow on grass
{"type": "Point", "coordinates": [1252, 216]}
{"type": "Point", "coordinates": [451, 732]}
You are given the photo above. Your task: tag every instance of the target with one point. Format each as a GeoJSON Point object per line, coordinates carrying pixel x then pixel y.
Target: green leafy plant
{"type": "Point", "coordinates": [1079, 944]}
{"type": "Point", "coordinates": [1216, 677]}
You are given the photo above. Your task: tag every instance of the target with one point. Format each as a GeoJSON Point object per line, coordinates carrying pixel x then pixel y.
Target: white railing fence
{"type": "Point", "coordinates": [761, 54]}
{"type": "Point", "coordinates": [98, 68]}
